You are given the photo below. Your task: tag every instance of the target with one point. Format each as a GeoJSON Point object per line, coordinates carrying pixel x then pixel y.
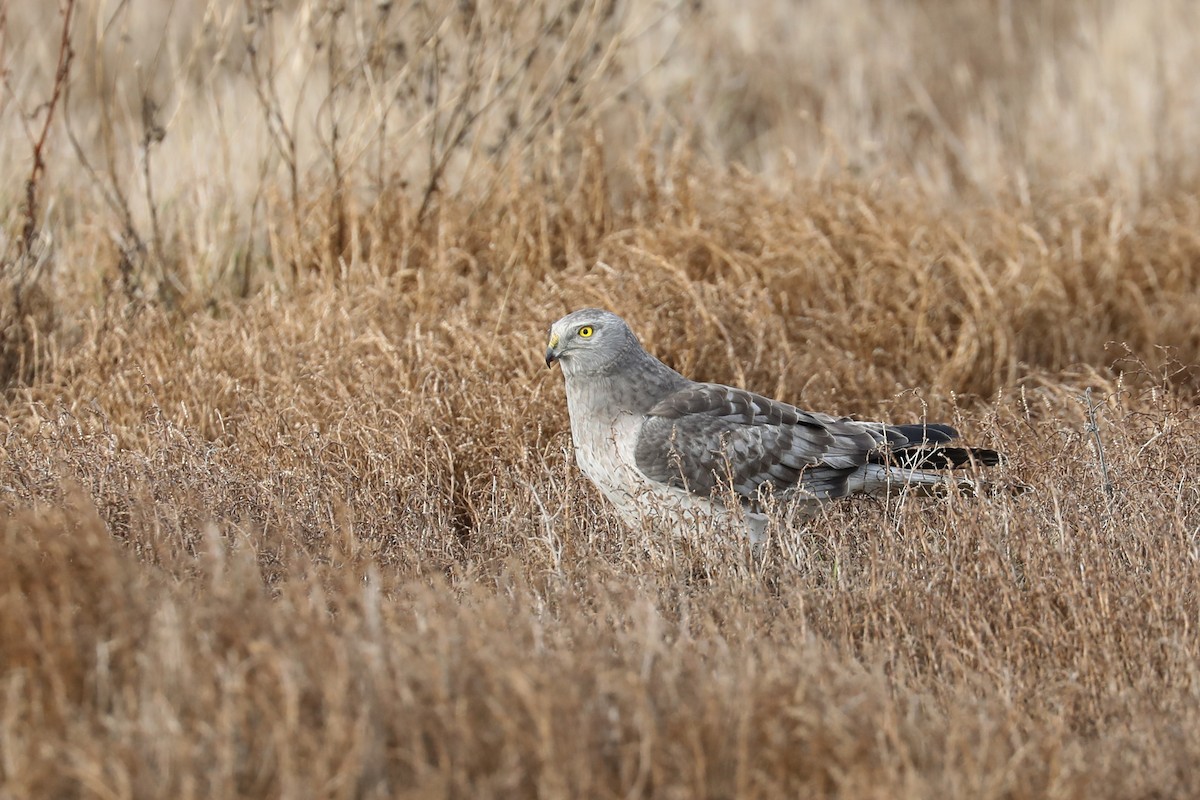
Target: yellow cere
{"type": "Point", "coordinates": [554, 340]}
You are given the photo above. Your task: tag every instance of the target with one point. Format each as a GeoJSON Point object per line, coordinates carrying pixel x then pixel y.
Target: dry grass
{"type": "Point", "coordinates": [287, 505]}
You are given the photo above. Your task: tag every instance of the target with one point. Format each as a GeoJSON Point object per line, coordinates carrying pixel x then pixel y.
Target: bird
{"type": "Point", "coordinates": [673, 452]}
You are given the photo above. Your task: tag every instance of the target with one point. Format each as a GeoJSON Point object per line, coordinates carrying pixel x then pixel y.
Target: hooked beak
{"type": "Point", "coordinates": [552, 351]}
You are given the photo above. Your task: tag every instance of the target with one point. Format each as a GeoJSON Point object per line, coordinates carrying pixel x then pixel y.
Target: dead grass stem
{"type": "Point", "coordinates": [287, 502]}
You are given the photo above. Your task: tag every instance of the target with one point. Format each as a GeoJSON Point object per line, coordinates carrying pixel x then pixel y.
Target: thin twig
{"type": "Point", "coordinates": [129, 241]}
{"type": "Point", "coordinates": [61, 73]}
{"type": "Point", "coordinates": [152, 134]}
{"type": "Point", "coordinates": [1094, 429]}
{"type": "Point", "coordinates": [260, 32]}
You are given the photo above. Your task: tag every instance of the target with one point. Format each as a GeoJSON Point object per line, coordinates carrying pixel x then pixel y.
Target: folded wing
{"type": "Point", "coordinates": [708, 439]}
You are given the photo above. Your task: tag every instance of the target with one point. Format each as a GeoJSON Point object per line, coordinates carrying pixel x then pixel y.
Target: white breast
{"type": "Point", "coordinates": [605, 453]}
{"type": "Point", "coordinates": [604, 450]}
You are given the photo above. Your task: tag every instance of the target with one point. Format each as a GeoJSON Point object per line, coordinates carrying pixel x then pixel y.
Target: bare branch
{"type": "Point", "coordinates": [62, 72]}
{"type": "Point", "coordinates": [1094, 429]}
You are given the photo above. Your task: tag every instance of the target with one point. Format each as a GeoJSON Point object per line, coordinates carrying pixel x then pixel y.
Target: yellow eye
{"type": "Point", "coordinates": [585, 332]}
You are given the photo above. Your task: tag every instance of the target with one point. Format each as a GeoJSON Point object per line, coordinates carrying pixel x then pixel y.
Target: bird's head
{"type": "Point", "coordinates": [587, 341]}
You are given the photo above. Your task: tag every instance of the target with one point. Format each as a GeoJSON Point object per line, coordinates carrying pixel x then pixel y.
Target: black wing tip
{"type": "Point", "coordinates": [922, 445]}
{"type": "Point", "coordinates": [938, 457]}
{"type": "Point", "coordinates": [926, 432]}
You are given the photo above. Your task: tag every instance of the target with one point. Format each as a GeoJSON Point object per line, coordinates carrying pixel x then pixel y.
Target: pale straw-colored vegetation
{"type": "Point", "coordinates": [287, 504]}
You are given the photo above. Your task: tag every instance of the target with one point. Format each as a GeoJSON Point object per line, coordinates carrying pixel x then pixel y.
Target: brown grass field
{"type": "Point", "coordinates": [287, 500]}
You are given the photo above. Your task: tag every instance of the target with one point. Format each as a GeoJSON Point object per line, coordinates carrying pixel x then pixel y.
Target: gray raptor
{"type": "Point", "coordinates": [665, 449]}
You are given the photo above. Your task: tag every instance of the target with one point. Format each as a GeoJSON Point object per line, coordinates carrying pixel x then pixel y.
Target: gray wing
{"type": "Point", "coordinates": [707, 438]}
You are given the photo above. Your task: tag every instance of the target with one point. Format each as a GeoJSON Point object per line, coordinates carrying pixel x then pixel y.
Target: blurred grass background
{"type": "Point", "coordinates": [287, 495]}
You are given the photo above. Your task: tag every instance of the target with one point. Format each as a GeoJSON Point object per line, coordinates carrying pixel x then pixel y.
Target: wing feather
{"type": "Point", "coordinates": [708, 438]}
